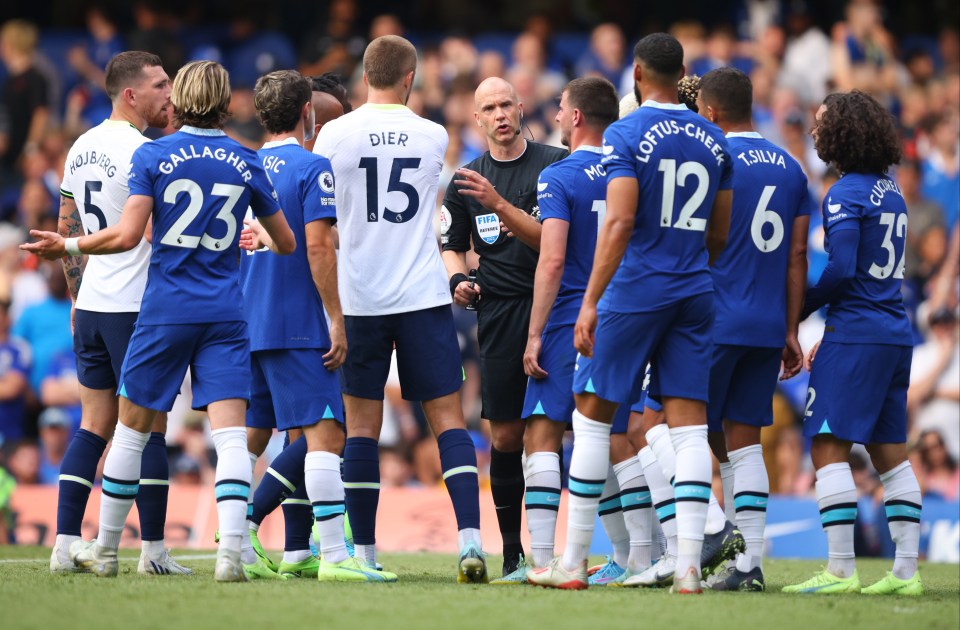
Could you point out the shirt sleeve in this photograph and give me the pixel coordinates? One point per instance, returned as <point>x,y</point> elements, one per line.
<point>841,267</point>
<point>617,159</point>
<point>456,237</point>
<point>838,210</point>
<point>139,177</point>
<point>552,196</point>
<point>66,184</point>
<point>263,198</point>
<point>319,200</point>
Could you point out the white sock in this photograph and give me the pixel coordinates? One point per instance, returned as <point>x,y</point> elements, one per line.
<point>901,498</point>
<point>716,517</point>
<point>232,487</point>
<point>121,481</point>
<point>542,500</point>
<point>610,511</point>
<point>247,554</point>
<point>588,468</point>
<point>658,439</point>
<point>468,536</point>
<point>152,548</point>
<point>325,489</point>
<point>692,493</point>
<point>726,476</point>
<point>298,555</point>
<point>661,494</point>
<point>637,507</point>
<point>837,499</point>
<point>750,492</point>
<point>367,553</point>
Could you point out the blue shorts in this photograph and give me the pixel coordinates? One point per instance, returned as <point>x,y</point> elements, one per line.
<point>621,420</point>
<point>858,393</point>
<point>553,396</point>
<point>100,342</point>
<point>291,388</point>
<point>158,356</point>
<point>742,382</point>
<point>673,340</point>
<point>428,354</point>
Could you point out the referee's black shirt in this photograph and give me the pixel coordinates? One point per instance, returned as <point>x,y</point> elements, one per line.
<point>507,266</point>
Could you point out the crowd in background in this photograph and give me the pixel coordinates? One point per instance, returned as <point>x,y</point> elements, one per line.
<point>51,90</point>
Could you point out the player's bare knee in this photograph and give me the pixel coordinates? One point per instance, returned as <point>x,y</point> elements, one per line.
<point>620,448</point>
<point>326,435</point>
<point>595,408</point>
<point>257,440</point>
<point>542,435</point>
<point>826,450</point>
<point>886,457</point>
<point>160,423</point>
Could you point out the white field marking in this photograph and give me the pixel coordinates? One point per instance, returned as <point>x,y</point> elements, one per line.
<point>197,556</point>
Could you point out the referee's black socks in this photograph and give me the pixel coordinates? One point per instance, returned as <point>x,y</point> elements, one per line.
<point>507,486</point>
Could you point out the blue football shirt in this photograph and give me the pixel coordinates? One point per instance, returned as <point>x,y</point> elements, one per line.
<point>870,307</point>
<point>680,161</point>
<point>750,276</point>
<point>201,182</point>
<point>282,303</point>
<point>574,190</point>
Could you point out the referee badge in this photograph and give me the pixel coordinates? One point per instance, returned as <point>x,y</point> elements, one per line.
<point>488,228</point>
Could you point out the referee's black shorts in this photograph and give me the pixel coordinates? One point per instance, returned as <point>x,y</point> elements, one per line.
<point>502,325</point>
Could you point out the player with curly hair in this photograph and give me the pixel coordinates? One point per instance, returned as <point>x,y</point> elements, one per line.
<point>859,378</point>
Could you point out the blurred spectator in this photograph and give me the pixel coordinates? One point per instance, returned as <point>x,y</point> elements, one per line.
<point>607,56</point>
<point>243,125</point>
<point>60,388</point>
<point>927,235</point>
<point>55,431</point>
<point>24,462</point>
<point>193,464</point>
<point>938,467</point>
<point>90,61</point>
<point>14,369</point>
<point>862,52</point>
<point>25,94</point>
<point>155,31</point>
<point>46,326</point>
<point>806,60</point>
<point>721,51</point>
<point>336,45</point>
<point>941,168</point>
<point>933,399</point>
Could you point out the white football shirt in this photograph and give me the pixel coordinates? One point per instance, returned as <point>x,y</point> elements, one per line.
<point>95,177</point>
<point>387,162</point>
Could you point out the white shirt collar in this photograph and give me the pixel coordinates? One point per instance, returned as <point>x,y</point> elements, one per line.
<point>512,159</point>
<point>744,134</point>
<point>658,105</point>
<point>587,147</point>
<point>280,143</point>
<point>197,131</point>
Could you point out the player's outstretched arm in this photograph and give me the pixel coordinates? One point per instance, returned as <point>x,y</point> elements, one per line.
<point>70,225</point>
<point>622,195</point>
<point>841,267</point>
<point>120,237</point>
<point>322,256</point>
<point>546,285</point>
<point>718,228</point>
<point>284,242</point>
<point>796,287</point>
<point>522,225</point>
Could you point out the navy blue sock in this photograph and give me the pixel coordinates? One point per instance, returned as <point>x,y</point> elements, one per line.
<point>283,477</point>
<point>458,459</point>
<point>361,484</point>
<point>154,488</point>
<point>77,471</point>
<point>297,520</point>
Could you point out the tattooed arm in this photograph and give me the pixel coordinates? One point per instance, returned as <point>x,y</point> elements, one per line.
<point>68,226</point>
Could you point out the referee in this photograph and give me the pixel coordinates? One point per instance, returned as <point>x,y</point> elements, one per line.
<point>497,193</point>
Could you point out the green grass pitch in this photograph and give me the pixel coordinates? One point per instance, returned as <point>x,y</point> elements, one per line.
<point>428,597</point>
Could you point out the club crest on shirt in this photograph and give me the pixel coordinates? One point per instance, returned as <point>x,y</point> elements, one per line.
<point>488,227</point>
<point>325,180</point>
